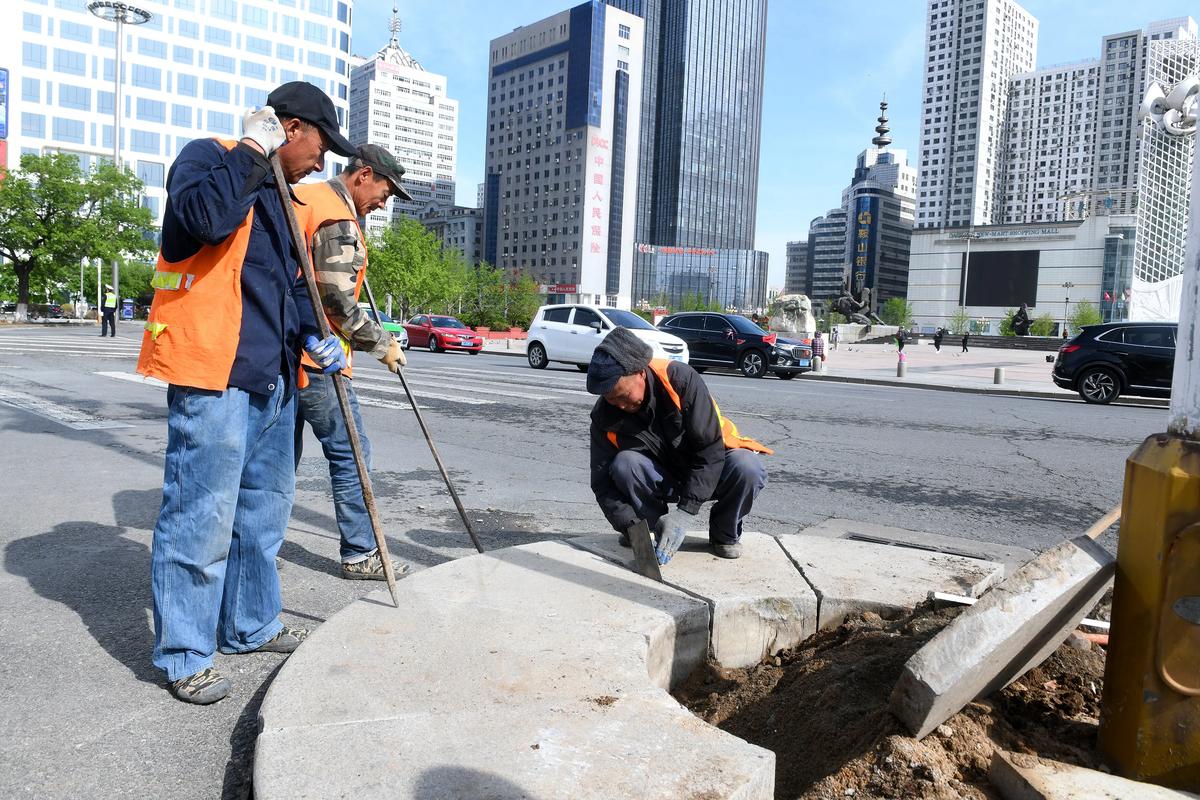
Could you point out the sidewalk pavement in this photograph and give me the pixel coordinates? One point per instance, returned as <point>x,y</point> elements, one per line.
<point>1026,372</point>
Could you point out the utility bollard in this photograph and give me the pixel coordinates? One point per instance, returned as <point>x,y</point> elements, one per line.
<point>998,376</point>
<point>818,364</point>
<point>901,369</point>
<point>1150,712</point>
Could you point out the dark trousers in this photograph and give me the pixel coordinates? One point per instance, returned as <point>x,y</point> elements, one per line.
<point>108,322</point>
<point>648,490</point>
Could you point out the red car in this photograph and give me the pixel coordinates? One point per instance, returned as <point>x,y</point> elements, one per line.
<point>442,333</point>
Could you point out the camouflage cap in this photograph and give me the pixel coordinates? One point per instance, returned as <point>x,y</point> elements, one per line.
<point>385,165</point>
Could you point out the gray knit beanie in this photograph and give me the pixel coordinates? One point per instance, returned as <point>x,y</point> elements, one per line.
<point>621,353</point>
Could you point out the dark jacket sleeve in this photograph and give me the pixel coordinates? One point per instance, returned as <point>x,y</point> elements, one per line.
<point>701,437</point>
<point>212,189</point>
<point>616,510</point>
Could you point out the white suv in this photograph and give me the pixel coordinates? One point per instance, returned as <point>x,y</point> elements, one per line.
<point>569,333</point>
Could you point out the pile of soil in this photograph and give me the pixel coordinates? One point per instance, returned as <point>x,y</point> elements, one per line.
<point>822,708</point>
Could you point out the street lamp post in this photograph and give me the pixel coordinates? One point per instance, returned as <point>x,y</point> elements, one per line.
<point>1067,302</point>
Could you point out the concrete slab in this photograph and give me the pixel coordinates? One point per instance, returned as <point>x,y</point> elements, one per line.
<point>760,603</point>
<point>1012,629</point>
<point>849,577</point>
<point>1024,777</point>
<point>857,530</point>
<point>535,671</point>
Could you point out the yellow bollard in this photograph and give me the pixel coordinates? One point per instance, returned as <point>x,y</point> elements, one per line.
<point>1150,718</point>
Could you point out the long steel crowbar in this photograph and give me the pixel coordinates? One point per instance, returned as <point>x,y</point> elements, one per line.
<point>412,401</point>
<point>310,280</point>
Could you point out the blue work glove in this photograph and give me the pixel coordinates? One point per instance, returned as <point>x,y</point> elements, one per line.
<point>670,536</point>
<point>326,352</point>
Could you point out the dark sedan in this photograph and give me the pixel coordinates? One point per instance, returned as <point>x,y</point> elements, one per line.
<point>1106,361</point>
<point>730,340</point>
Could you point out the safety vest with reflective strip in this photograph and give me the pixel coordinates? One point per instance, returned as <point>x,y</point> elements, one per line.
<point>322,205</point>
<point>729,432</point>
<point>195,321</point>
<point>110,300</point>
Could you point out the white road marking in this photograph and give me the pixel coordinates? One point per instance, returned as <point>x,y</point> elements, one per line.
<point>133,377</point>
<point>368,385</point>
<point>489,379</point>
<point>64,415</point>
<point>439,385</point>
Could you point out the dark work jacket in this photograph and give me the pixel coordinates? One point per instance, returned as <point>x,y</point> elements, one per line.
<point>686,443</point>
<point>209,192</point>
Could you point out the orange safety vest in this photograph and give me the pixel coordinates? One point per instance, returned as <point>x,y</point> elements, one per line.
<point>322,205</point>
<point>729,432</point>
<point>195,320</point>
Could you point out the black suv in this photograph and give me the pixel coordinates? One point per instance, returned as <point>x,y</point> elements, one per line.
<point>1106,361</point>
<point>729,340</point>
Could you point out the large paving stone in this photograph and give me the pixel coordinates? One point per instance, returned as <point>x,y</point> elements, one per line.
<point>1012,629</point>
<point>1024,777</point>
<point>850,577</point>
<point>535,671</point>
<point>760,603</point>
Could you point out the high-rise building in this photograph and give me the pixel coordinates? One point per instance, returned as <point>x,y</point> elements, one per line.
<point>397,104</point>
<point>828,256</point>
<point>699,150</point>
<point>457,228</point>
<point>189,73</point>
<point>795,279</point>
<point>972,48</point>
<point>561,163</point>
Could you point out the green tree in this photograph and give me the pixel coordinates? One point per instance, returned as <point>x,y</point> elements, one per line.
<point>833,318</point>
<point>960,321</point>
<point>1006,323</point>
<point>52,214</point>
<point>897,311</point>
<point>408,262</point>
<point>1084,313</point>
<point>1042,326</point>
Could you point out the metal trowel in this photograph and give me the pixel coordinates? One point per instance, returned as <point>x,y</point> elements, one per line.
<point>644,557</point>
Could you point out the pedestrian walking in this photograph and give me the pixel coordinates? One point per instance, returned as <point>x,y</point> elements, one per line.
<point>965,339</point>
<point>937,339</point>
<point>834,336</point>
<point>329,212</point>
<point>229,318</point>
<point>108,312</point>
<point>818,346</point>
<point>900,340</point>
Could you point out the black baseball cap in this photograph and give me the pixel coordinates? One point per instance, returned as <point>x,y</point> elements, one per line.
<point>303,100</point>
<point>385,165</point>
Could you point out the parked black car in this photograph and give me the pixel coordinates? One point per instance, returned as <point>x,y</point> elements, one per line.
<point>1106,361</point>
<point>730,340</point>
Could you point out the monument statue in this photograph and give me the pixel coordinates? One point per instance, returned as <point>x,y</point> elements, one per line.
<point>792,313</point>
<point>855,309</point>
<point>1021,321</point>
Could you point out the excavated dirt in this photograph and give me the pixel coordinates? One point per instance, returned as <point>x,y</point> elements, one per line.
<point>822,708</point>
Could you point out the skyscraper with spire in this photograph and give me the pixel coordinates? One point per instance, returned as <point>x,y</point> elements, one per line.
<point>865,241</point>
<point>396,103</point>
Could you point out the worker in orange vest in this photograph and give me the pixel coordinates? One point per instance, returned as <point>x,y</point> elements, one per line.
<point>229,319</point>
<point>658,437</point>
<point>329,212</point>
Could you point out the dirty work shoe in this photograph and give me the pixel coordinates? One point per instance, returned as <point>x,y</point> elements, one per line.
<point>371,569</point>
<point>285,641</point>
<point>733,550</point>
<point>206,686</point>
<point>624,540</point>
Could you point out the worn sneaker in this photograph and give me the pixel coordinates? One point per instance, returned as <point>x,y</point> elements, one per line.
<point>371,569</point>
<point>286,641</point>
<point>733,550</point>
<point>206,686</point>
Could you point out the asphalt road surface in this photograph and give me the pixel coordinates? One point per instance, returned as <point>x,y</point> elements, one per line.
<point>81,447</point>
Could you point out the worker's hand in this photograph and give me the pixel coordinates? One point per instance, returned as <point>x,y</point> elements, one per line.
<point>261,126</point>
<point>670,530</point>
<point>327,353</point>
<point>394,358</point>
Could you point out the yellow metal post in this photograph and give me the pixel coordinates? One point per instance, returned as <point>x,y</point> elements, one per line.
<point>1150,714</point>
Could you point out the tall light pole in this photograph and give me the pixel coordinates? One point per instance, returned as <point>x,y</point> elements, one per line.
<point>123,14</point>
<point>967,267</point>
<point>1067,303</point>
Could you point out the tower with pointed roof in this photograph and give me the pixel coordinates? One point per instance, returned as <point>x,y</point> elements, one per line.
<point>398,104</point>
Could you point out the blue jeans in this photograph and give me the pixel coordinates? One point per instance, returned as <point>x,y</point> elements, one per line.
<point>227,497</point>
<point>318,406</point>
<point>649,489</point>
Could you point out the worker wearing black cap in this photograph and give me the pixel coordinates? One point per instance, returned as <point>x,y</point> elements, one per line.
<point>229,319</point>
<point>329,214</point>
<point>657,437</point>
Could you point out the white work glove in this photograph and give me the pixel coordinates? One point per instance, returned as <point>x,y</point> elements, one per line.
<point>671,532</point>
<point>327,353</point>
<point>394,358</point>
<point>261,126</point>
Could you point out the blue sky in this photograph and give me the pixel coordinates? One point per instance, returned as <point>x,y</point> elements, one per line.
<point>827,65</point>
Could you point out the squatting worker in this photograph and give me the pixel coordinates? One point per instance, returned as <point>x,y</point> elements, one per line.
<point>657,437</point>
<point>329,213</point>
<point>229,318</point>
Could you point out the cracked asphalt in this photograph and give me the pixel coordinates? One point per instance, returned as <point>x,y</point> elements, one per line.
<point>86,713</point>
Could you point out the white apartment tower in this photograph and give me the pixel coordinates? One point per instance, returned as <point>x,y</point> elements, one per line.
<point>562,152</point>
<point>396,104</point>
<point>189,73</point>
<point>973,48</point>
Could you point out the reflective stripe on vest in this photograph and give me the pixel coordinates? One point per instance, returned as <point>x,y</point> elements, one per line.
<point>191,337</point>
<point>322,205</point>
<point>729,432</point>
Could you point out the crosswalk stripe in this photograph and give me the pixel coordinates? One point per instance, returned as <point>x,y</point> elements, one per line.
<point>66,353</point>
<point>368,385</point>
<point>133,377</point>
<point>441,384</point>
<point>440,379</point>
<point>64,415</point>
